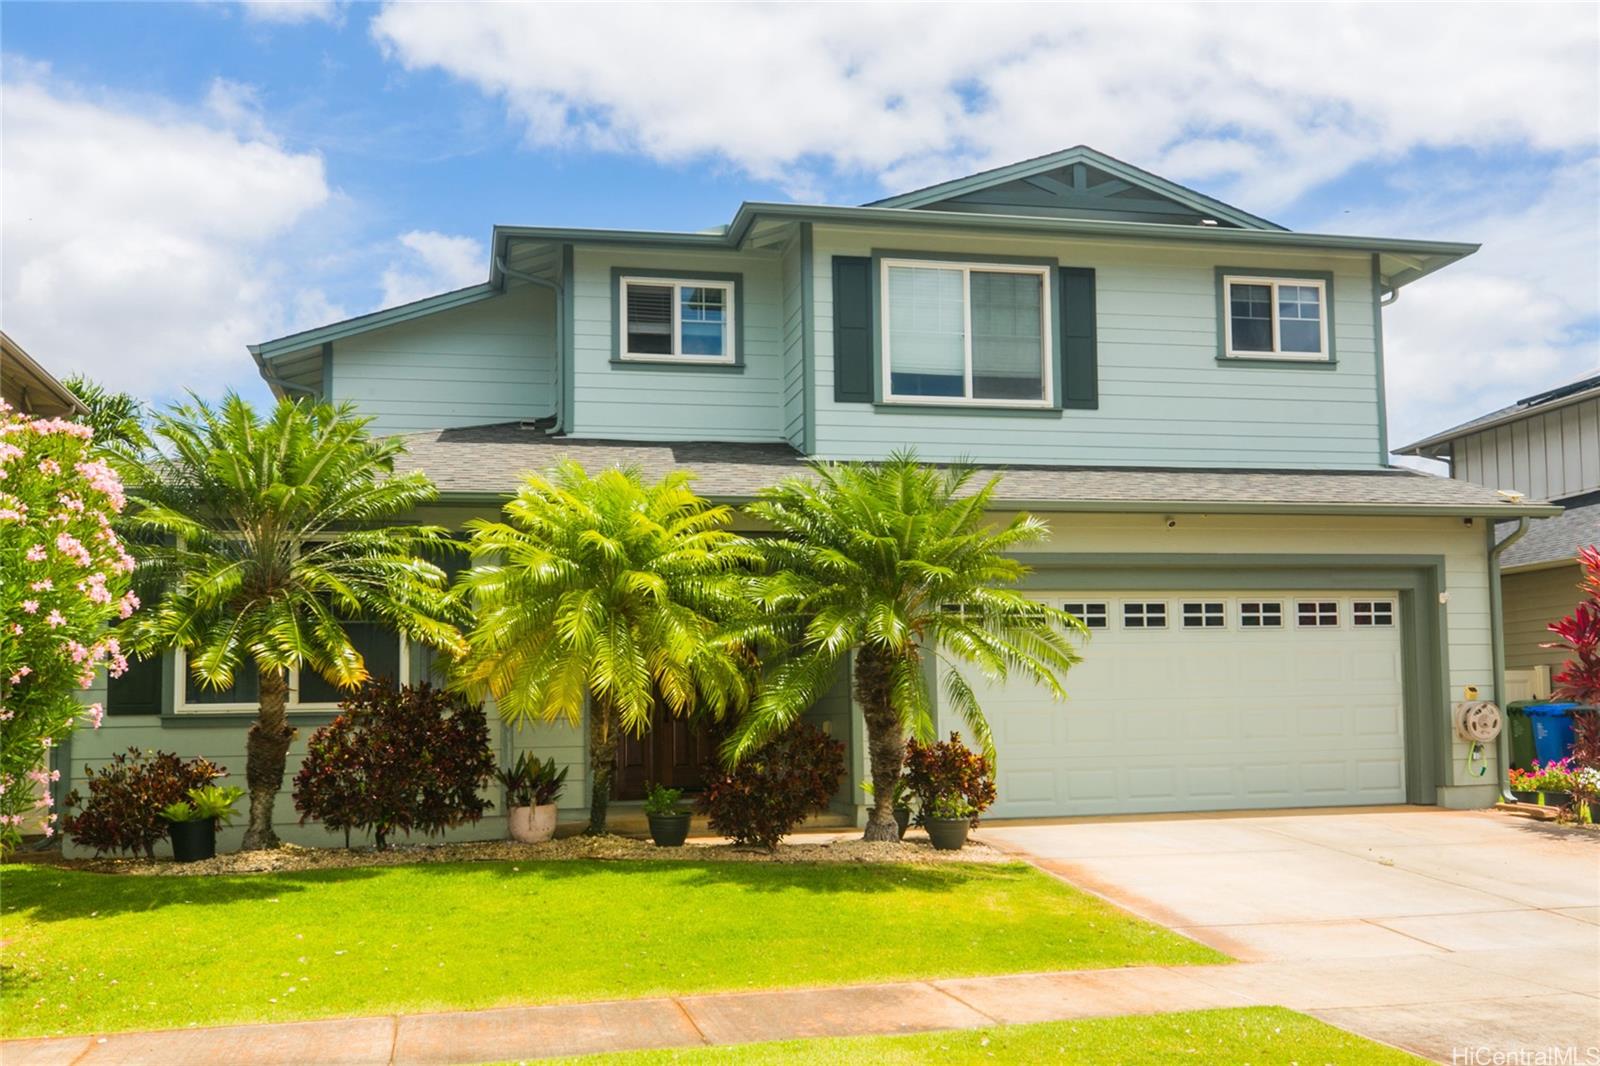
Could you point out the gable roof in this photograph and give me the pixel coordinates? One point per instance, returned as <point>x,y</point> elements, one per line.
<point>1557,540</point>
<point>1077,182</point>
<point>31,388</point>
<point>1440,443</point>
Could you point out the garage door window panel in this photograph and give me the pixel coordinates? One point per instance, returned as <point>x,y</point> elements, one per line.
<point>1144,615</point>
<point>1205,614</point>
<point>1092,615</point>
<point>1260,614</point>
<point>1317,614</point>
<point>1372,613</point>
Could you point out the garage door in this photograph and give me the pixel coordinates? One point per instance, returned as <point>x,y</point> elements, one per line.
<point>1198,701</point>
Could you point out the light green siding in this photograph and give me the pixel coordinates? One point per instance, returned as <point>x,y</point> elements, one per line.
<point>1531,601</point>
<point>489,361</point>
<point>651,401</point>
<point>1164,398</point>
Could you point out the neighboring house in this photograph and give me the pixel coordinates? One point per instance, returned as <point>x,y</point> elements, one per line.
<point>1546,447</point>
<point>1192,396</point>
<point>29,387</point>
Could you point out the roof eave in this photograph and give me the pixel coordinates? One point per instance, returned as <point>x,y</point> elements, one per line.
<point>1429,447</point>
<point>1191,507</point>
<point>388,316</point>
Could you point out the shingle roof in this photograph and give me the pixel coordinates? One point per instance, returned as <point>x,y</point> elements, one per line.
<point>1555,539</point>
<point>1570,392</point>
<point>482,460</point>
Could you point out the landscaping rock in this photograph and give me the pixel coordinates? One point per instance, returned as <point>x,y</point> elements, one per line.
<point>290,857</point>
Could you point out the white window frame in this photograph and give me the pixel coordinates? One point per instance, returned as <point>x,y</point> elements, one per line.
<point>1203,619</point>
<point>1338,614</point>
<point>1144,615</point>
<point>1261,615</point>
<point>1103,616</point>
<point>730,334</point>
<point>1375,608</point>
<point>292,703</point>
<point>1046,334</point>
<point>1321,285</point>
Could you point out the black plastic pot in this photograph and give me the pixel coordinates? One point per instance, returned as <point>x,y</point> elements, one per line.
<point>902,818</point>
<point>193,841</point>
<point>669,830</point>
<point>947,834</point>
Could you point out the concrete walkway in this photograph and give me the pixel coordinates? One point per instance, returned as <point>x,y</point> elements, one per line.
<point>739,1018</point>
<point>1436,931</point>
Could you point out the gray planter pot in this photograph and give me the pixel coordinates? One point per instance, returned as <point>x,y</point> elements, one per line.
<point>669,830</point>
<point>947,834</point>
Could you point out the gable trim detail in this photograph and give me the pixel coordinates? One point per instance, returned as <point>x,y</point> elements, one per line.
<point>1079,155</point>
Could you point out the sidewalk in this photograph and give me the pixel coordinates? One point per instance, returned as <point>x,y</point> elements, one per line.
<point>748,1017</point>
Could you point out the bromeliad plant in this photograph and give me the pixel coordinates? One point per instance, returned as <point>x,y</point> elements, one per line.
<point>530,783</point>
<point>611,592</point>
<point>270,535</point>
<point>891,565</point>
<point>63,581</point>
<point>214,803</point>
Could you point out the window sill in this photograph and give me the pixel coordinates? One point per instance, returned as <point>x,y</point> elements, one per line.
<point>1280,361</point>
<point>667,361</point>
<point>977,407</point>
<point>203,719</point>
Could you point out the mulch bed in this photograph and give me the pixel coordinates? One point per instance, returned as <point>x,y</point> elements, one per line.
<point>291,858</point>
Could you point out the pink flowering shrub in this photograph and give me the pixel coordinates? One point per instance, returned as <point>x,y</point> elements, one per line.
<point>63,583</point>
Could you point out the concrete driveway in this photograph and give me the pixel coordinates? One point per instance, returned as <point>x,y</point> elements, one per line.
<point>1441,932</point>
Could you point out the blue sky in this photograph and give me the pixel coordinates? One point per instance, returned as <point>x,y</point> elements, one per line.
<point>184,179</point>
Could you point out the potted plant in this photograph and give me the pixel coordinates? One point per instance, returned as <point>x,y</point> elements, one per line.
<point>192,823</point>
<point>669,822</point>
<point>902,803</point>
<point>948,820</point>
<point>951,783</point>
<point>532,789</point>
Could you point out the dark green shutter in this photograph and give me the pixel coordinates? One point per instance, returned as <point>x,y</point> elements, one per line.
<point>1080,385</point>
<point>852,329</point>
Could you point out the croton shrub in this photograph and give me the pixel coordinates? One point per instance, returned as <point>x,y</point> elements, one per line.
<point>127,796</point>
<point>1579,680</point>
<point>406,760</point>
<point>774,788</point>
<point>948,775</point>
<point>63,582</point>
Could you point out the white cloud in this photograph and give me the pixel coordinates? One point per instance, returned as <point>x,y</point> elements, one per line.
<point>1264,103</point>
<point>437,262</point>
<point>139,238</point>
<point>290,12</point>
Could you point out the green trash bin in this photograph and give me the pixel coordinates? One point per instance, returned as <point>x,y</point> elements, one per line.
<point>1519,732</point>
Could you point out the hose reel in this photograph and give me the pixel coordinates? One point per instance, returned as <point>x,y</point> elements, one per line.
<point>1478,722</point>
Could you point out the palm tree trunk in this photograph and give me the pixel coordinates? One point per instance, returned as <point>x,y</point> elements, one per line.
<point>886,741</point>
<point>266,757</point>
<point>603,730</point>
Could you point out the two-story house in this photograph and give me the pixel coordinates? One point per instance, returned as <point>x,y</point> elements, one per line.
<point>1191,395</point>
<point>1547,447</point>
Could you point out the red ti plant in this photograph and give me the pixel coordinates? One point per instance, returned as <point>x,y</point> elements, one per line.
<point>1579,679</point>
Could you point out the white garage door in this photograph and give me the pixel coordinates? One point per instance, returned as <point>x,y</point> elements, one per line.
<point>1200,701</point>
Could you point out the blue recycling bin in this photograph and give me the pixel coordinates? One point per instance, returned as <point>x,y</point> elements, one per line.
<point>1552,730</point>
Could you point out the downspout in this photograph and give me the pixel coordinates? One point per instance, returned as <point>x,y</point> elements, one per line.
<point>1498,643</point>
<point>546,283</point>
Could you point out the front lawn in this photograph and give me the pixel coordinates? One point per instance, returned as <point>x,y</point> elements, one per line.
<point>1267,1036</point>
<point>96,952</point>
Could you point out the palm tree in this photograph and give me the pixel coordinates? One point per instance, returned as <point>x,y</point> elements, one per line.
<point>266,537</point>
<point>117,418</point>
<point>607,591</point>
<point>896,562</point>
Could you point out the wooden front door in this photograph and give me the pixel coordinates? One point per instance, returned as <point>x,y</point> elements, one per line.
<point>670,753</point>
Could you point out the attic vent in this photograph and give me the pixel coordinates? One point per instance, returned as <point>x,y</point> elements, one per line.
<point>1209,222</point>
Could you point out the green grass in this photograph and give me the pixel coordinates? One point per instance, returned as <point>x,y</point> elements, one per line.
<point>1256,1035</point>
<point>97,952</point>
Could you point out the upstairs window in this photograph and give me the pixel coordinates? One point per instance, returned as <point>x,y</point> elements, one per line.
<point>677,321</point>
<point>966,333</point>
<point>1275,318</point>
